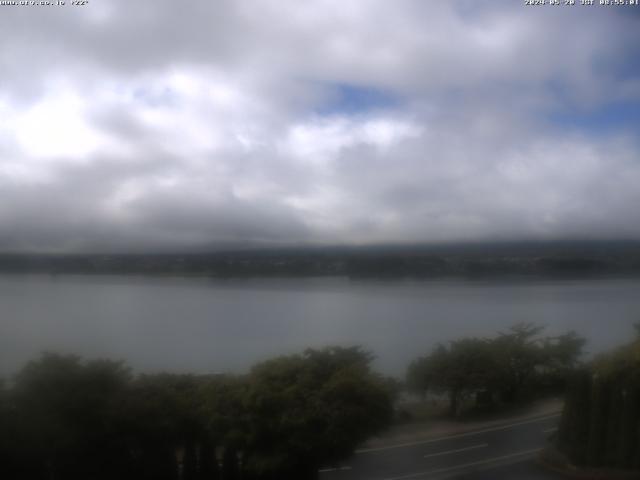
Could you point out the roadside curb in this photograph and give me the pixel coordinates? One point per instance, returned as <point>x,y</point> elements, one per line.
<point>553,460</point>
<point>458,431</point>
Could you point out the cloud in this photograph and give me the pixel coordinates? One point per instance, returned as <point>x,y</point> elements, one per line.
<point>162,126</point>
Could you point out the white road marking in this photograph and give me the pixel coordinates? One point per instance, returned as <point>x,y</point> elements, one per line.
<point>467,465</point>
<point>449,452</point>
<point>325,470</point>
<point>549,430</point>
<point>457,435</point>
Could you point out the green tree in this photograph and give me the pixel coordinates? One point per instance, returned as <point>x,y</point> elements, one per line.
<point>519,354</point>
<point>64,410</point>
<point>529,362</point>
<point>561,357</point>
<point>462,368</point>
<point>66,418</point>
<point>313,409</point>
<point>163,424</point>
<point>515,363</point>
<point>226,421</point>
<point>599,424</point>
<point>8,434</point>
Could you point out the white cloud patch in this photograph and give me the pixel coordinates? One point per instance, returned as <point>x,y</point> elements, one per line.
<point>323,140</point>
<point>162,126</point>
<point>56,127</point>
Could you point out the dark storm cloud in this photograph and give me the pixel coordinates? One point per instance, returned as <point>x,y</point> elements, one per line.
<point>164,126</point>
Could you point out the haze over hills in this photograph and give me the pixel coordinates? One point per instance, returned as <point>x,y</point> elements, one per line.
<point>384,261</point>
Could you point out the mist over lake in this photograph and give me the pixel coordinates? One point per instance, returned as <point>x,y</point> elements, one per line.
<point>208,326</point>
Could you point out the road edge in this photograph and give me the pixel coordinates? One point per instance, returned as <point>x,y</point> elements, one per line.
<point>498,425</point>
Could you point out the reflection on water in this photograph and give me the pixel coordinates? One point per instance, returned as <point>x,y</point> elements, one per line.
<point>213,326</point>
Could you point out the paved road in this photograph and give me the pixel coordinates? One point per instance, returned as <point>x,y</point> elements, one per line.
<point>500,452</point>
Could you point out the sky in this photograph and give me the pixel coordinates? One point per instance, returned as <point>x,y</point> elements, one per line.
<point>161,125</point>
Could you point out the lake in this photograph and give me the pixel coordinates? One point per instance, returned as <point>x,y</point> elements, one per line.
<point>211,326</point>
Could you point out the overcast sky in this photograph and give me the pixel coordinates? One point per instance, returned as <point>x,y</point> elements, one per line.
<point>128,125</point>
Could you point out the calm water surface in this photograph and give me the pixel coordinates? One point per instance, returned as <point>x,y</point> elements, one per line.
<point>203,326</point>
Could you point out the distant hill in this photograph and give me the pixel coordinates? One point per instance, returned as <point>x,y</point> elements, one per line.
<point>386,261</point>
